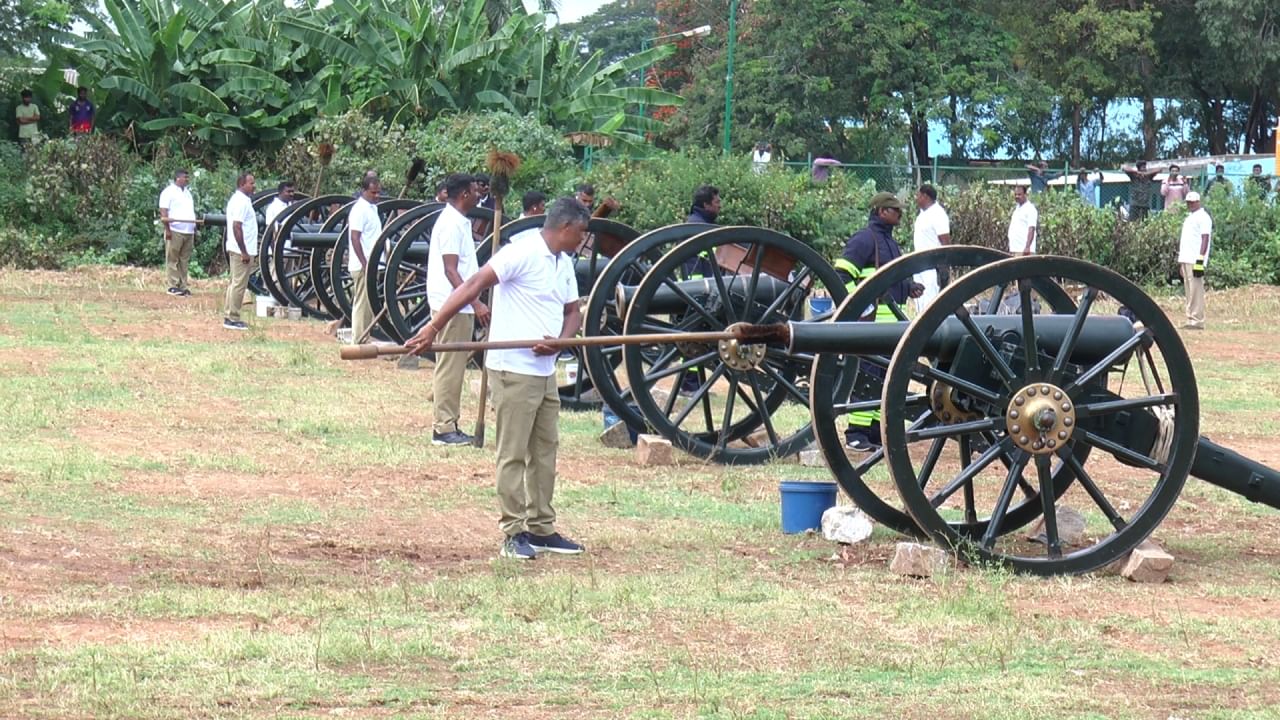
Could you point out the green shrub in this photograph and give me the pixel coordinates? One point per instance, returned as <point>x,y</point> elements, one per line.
<point>658,191</point>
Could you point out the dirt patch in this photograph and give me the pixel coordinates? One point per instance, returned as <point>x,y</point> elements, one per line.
<point>18,632</point>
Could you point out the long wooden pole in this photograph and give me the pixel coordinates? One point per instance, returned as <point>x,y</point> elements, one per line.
<point>741,332</point>
<point>477,437</point>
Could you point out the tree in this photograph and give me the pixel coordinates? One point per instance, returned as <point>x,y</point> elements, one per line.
<point>616,30</point>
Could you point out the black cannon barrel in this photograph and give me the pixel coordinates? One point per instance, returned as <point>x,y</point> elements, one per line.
<point>1100,335</point>
<point>215,220</point>
<point>1236,473</point>
<point>667,300</point>
<point>314,240</point>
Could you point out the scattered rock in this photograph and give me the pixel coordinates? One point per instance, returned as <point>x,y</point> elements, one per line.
<point>1148,563</point>
<point>758,439</point>
<point>408,362</point>
<point>812,458</point>
<point>916,560</point>
<point>618,436</point>
<point>845,524</point>
<point>654,450</point>
<point>1070,528</point>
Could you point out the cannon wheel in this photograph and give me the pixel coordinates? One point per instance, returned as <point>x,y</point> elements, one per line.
<point>832,377</point>
<point>1082,402</point>
<point>291,266</point>
<point>329,268</point>
<point>601,316</point>
<point>404,282</point>
<point>751,275</point>
<point>266,284</point>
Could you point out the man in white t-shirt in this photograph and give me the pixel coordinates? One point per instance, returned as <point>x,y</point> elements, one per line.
<point>533,203</point>
<point>932,229</point>
<point>1193,255</point>
<point>535,297</point>
<point>178,216</point>
<point>282,200</point>
<point>451,261</point>
<point>364,225</point>
<point>242,248</point>
<point>1022,226</point>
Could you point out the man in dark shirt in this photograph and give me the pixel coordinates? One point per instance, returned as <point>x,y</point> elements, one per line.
<point>82,112</point>
<point>1140,189</point>
<point>1219,178</point>
<point>1259,184</point>
<point>868,249</point>
<point>1040,176</point>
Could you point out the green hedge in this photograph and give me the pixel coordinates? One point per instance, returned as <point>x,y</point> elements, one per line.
<point>94,200</point>
<point>659,191</point>
<point>1246,234</point>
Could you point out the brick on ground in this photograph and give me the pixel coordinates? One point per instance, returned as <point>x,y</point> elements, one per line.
<point>917,560</point>
<point>654,450</point>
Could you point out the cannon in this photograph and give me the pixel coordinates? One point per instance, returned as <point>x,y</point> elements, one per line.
<point>1018,388</point>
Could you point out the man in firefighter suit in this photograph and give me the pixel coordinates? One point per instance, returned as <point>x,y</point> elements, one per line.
<point>868,249</point>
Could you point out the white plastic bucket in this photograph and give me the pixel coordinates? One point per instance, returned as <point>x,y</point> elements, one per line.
<point>263,303</point>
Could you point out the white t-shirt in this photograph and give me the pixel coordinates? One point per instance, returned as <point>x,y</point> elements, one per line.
<point>364,218</point>
<point>759,159</point>
<point>930,225</point>
<point>1194,227</point>
<point>451,235</point>
<point>274,208</point>
<point>534,285</point>
<point>1024,217</point>
<point>240,207</point>
<point>177,201</point>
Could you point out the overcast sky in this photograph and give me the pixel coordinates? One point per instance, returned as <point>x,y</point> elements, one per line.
<point>573,10</point>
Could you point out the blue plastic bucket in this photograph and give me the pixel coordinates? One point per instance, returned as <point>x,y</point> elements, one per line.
<point>820,305</point>
<point>803,504</point>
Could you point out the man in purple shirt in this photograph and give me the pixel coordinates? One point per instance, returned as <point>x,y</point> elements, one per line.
<point>82,112</point>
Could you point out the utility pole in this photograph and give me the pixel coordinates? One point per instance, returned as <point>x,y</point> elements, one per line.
<point>728,76</point>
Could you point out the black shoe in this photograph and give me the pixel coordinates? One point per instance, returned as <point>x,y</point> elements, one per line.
<point>174,291</point>
<point>456,437</point>
<point>184,292</point>
<point>234,325</point>
<point>555,543</point>
<point>858,441</point>
<point>517,547</point>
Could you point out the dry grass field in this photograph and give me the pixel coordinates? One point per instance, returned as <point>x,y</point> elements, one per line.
<point>196,523</point>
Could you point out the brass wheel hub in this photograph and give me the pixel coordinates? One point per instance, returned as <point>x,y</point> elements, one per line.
<point>1040,418</point>
<point>943,403</point>
<point>740,356</point>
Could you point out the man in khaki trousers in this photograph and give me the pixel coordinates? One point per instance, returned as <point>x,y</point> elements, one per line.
<point>242,249</point>
<point>535,297</point>
<point>177,213</point>
<point>1193,255</point>
<point>451,261</point>
<point>364,225</point>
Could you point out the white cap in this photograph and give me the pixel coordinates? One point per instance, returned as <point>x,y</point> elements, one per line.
<point>1193,197</point>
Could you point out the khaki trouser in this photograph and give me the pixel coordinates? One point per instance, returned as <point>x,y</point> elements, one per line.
<point>1194,287</point>
<point>361,309</point>
<point>528,410</point>
<point>451,368</point>
<point>240,271</point>
<point>177,256</point>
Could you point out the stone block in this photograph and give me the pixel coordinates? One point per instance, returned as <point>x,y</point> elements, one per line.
<point>654,450</point>
<point>812,458</point>
<point>916,560</point>
<point>845,524</point>
<point>1147,563</point>
<point>758,439</point>
<point>1070,527</point>
<point>617,436</point>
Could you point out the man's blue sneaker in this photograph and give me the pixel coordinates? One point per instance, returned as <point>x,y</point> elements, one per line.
<point>517,547</point>
<point>555,543</point>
